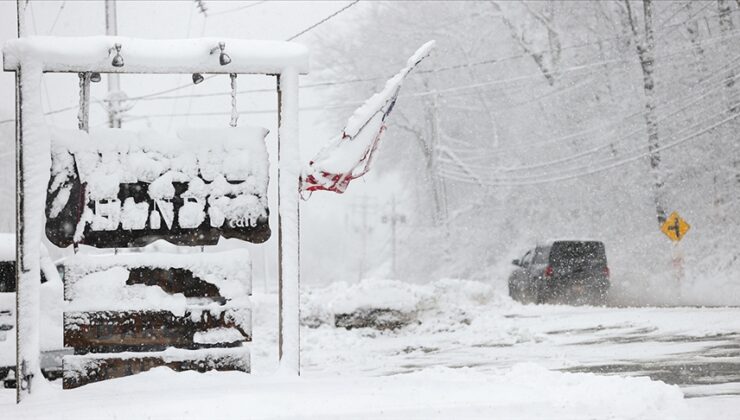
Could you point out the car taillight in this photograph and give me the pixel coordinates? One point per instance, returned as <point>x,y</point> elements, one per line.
<point>606,271</point>
<point>548,271</point>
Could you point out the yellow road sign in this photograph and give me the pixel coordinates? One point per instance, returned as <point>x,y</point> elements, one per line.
<point>675,227</point>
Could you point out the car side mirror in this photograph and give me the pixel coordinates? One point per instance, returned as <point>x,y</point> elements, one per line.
<point>516,262</point>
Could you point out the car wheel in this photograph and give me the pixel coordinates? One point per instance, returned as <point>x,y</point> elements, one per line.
<point>513,292</point>
<point>599,297</point>
<point>539,295</point>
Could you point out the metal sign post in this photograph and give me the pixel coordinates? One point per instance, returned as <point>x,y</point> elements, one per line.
<point>675,228</point>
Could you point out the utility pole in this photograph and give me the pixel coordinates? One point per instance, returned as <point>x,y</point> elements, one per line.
<point>393,218</point>
<point>114,80</point>
<point>363,204</point>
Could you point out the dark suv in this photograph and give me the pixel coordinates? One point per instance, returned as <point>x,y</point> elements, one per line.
<point>565,271</point>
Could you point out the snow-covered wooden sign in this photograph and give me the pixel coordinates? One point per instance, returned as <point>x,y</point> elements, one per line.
<point>349,155</point>
<point>118,188</point>
<point>147,195</point>
<point>129,313</point>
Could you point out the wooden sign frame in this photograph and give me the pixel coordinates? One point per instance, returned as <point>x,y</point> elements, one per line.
<point>284,60</point>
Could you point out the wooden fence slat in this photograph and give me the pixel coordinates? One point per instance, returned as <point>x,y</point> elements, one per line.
<point>112,331</point>
<point>84,369</point>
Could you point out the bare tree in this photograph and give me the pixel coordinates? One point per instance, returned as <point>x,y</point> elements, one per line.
<point>692,30</point>
<point>526,40</point>
<point>645,46</point>
<point>726,27</point>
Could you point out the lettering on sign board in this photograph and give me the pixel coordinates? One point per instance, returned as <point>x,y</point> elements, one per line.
<point>125,189</point>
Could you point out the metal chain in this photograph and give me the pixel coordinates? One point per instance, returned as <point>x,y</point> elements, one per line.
<point>234,113</point>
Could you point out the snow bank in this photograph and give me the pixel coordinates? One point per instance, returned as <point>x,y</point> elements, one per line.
<point>79,54</point>
<point>444,301</point>
<point>524,391</point>
<point>370,293</point>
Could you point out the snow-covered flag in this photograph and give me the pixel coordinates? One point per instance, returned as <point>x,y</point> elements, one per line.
<point>349,155</point>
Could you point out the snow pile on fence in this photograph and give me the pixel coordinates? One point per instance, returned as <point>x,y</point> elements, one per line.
<point>209,359</point>
<point>100,282</point>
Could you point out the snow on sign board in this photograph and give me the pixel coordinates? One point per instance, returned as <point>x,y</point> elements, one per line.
<point>163,56</point>
<point>129,313</point>
<point>119,188</point>
<point>349,155</point>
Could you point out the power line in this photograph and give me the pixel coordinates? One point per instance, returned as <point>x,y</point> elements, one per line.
<point>355,104</point>
<point>580,155</point>
<point>162,92</point>
<point>255,111</point>
<point>602,147</point>
<point>179,94</point>
<point>411,95</point>
<point>153,95</point>
<point>521,181</point>
<point>379,78</point>
<point>719,73</point>
<point>693,15</point>
<point>676,12</point>
<point>56,19</point>
<point>450,90</point>
<point>236,9</point>
<point>323,20</point>
<point>705,42</point>
<point>423,71</point>
<point>616,164</point>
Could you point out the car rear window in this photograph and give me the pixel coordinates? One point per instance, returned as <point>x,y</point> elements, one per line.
<point>540,254</point>
<point>572,253</point>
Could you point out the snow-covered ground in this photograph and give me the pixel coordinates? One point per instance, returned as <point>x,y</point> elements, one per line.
<point>468,352</point>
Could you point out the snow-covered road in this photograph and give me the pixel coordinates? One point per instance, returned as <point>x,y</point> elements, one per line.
<point>470,325</point>
<point>469,352</point>
<point>695,348</point>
